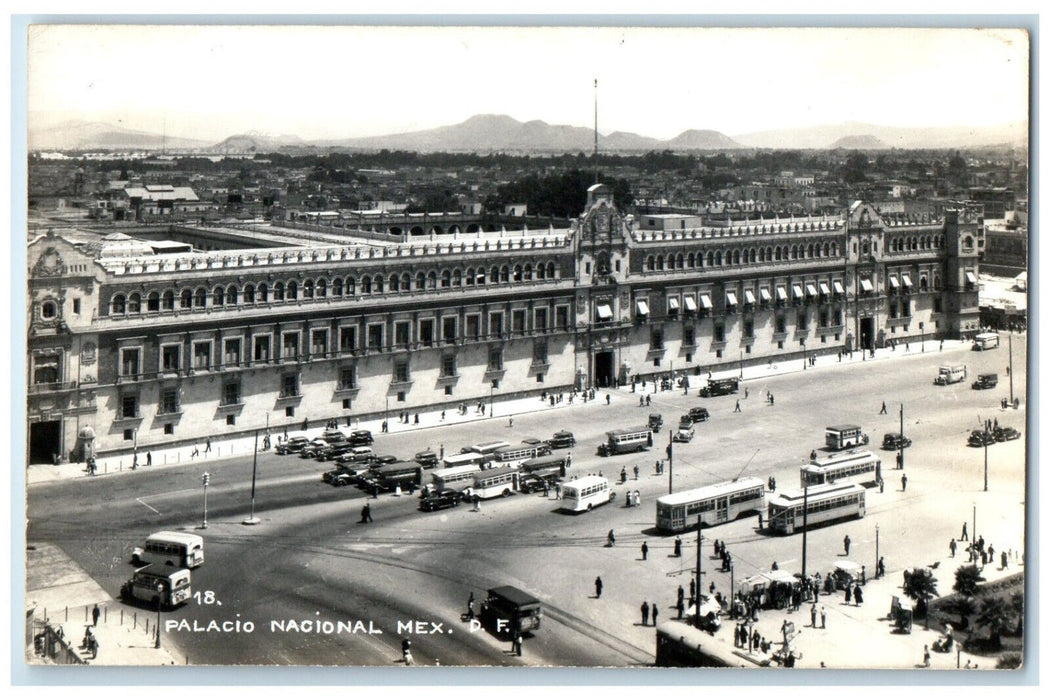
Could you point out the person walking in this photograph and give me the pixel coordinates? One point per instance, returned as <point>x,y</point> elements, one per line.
<point>737,409</point>
<point>610,539</point>
<point>904,482</point>
<point>678,546</point>
<point>952,547</point>
<point>645,551</point>
<point>655,612</point>
<point>477,503</point>
<point>149,458</point>
<point>636,472</point>
<point>845,544</point>
<point>883,411</point>
<point>858,595</point>
<point>849,594</point>
<point>823,618</point>
<point>95,614</point>
<point>645,614</point>
<point>366,514</point>
<point>207,446</point>
<point>598,587</point>
<point>965,537</point>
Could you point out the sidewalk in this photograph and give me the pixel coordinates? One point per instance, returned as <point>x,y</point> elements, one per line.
<point>62,594</point>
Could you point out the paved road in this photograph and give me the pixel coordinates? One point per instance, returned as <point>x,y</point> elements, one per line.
<point>309,560</point>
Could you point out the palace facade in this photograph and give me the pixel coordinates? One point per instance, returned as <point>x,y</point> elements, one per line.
<point>133,345</point>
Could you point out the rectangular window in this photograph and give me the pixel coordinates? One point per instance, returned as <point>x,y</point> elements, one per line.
<point>426,332</point>
<point>720,333</point>
<point>289,411</point>
<point>401,371</point>
<point>129,406</point>
<point>76,306</point>
<point>232,351</point>
<point>402,333</point>
<point>169,401</point>
<point>448,366</point>
<point>541,320</point>
<point>231,419</point>
<point>448,330</point>
<point>319,342</point>
<point>346,404</point>
<point>539,353</point>
<point>749,329</point>
<point>517,320</point>
<point>781,324</point>
<point>290,346</point>
<point>169,428</point>
<point>496,324</point>
<point>802,320</point>
<point>689,337</point>
<point>937,305</point>
<point>561,317</point>
<point>169,358</point>
<point>262,348</point>
<point>129,434</point>
<point>495,359</point>
<point>348,378</point>
<point>201,355</point>
<point>473,327</point>
<point>656,338</point>
<point>231,394</point>
<point>348,338</point>
<point>448,390</point>
<point>375,336</point>
<point>289,386</point>
<point>129,362</point>
<point>401,396</point>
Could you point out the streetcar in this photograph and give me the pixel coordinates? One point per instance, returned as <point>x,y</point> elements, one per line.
<point>710,505</point>
<point>853,467</point>
<point>680,644</point>
<point>627,440</point>
<point>823,504</point>
<point>585,493</point>
<point>840,437</point>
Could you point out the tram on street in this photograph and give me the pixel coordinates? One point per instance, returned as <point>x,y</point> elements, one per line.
<point>488,448</point>
<point>552,464</point>
<point>489,483</point>
<point>403,474</point>
<point>585,493</point>
<point>853,467</point>
<point>457,478</point>
<point>822,504</point>
<point>681,645</point>
<point>626,440</point>
<point>710,505</point>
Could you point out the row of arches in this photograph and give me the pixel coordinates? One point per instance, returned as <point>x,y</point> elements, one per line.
<point>742,256</point>
<point>322,288</point>
<point>901,244</point>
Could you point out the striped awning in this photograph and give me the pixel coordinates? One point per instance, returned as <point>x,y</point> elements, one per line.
<point>906,280</point>
<point>811,290</point>
<point>781,294</point>
<point>824,288</point>
<point>672,303</point>
<point>838,287</point>
<point>797,291</point>
<point>893,282</point>
<point>764,293</point>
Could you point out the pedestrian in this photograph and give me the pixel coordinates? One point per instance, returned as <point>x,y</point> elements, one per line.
<point>926,655</point>
<point>207,446</point>
<point>813,615</point>
<point>849,594</point>
<point>95,614</point>
<point>645,614</point>
<point>306,424</point>
<point>737,409</point>
<point>681,593</point>
<point>517,643</point>
<point>477,503</point>
<point>823,618</point>
<point>904,482</point>
<point>845,544</point>
<point>610,539</point>
<point>858,595</point>
<point>952,547</point>
<point>470,606</point>
<point>655,612</point>
<point>882,485</point>
<point>747,392</point>
<point>1002,560</point>
<point>598,587</point>
<point>678,546</point>
<point>608,399</point>
<point>863,575</point>
<point>442,414</point>
<point>965,537</point>
<point>771,399</point>
<point>366,514</point>
<point>645,551</point>
<point>149,458</point>
<point>417,420</point>
<point>883,411</point>
<point>636,472</point>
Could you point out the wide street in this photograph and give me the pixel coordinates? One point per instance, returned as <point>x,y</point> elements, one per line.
<point>309,558</point>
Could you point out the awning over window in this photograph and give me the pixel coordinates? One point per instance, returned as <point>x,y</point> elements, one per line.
<point>705,301</point>
<point>764,293</point>
<point>824,288</point>
<point>781,294</point>
<point>837,286</point>
<point>672,303</point>
<point>893,282</point>
<point>866,285</point>
<point>604,312</point>
<point>811,290</point>
<point>971,278</point>
<point>797,291</point>
<point>643,308</point>
<point>749,296</point>
<point>690,303</point>
<point>906,280</point>
<point>730,299</point>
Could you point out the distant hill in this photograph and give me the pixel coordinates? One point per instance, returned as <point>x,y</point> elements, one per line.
<point>828,136</point>
<point>255,142</point>
<point>860,143</point>
<point>695,139</point>
<point>84,136</point>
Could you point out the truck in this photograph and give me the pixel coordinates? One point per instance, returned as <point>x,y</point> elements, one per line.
<point>950,374</point>
<point>510,611</point>
<point>720,387</point>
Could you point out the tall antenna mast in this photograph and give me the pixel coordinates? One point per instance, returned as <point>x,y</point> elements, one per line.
<point>596,131</point>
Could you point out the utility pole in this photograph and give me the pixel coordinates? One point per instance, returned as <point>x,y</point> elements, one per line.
<point>805,526</point>
<point>670,461</point>
<point>901,451</point>
<point>1011,339</point>
<point>699,588</point>
<point>251,519</point>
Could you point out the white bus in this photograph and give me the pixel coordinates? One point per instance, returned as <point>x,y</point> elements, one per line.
<point>839,437</point>
<point>490,483</point>
<point>711,505</point>
<point>986,341</point>
<point>171,548</point>
<point>627,440</point>
<point>464,458</point>
<point>823,503</point>
<point>457,478</point>
<point>585,493</point>
<point>514,456</point>
<point>488,448</point>
<point>158,583</point>
<point>853,467</point>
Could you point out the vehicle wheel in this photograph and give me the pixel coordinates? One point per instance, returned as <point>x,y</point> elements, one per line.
<point>590,506</point>
<point>506,492</point>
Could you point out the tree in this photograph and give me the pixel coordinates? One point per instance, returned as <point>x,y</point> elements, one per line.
<point>966,580</point>
<point>997,616</point>
<point>920,586</point>
<point>855,169</point>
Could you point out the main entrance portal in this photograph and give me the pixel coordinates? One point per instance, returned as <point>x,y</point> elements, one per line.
<point>604,368</point>
<point>44,441</point>
<point>867,333</point>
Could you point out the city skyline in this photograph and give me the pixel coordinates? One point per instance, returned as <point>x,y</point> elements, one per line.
<point>211,82</point>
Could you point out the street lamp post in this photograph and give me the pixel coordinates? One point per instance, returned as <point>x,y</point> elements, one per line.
<point>160,595</point>
<point>492,410</point>
<point>901,450</point>
<point>699,588</point>
<point>876,550</point>
<point>251,519</point>
<point>205,479</point>
<point>670,461</point>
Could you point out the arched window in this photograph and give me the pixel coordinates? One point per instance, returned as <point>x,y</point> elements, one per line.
<point>264,293</point>
<point>710,258</point>
<point>650,263</point>
<point>432,280</point>
<point>541,271</point>
<point>134,303</point>
<point>660,262</point>
<point>809,251</point>
<point>337,287</point>
<point>779,253</point>
<point>457,278</point>
<point>249,294</point>
<point>421,280</point>
<point>278,291</point>
<point>446,279</point>
<point>218,296</point>
<point>322,288</point>
<point>718,258</point>
<point>527,272</point>
<point>200,298</point>
<point>153,301</point>
<point>504,274</point>
<point>834,249</point>
<point>231,294</point>
<point>924,284</point>
<point>167,300</point>
<point>736,257</point>
<point>470,276</point>
<point>351,286</point>
<point>551,271</point>
<point>406,282</point>
<point>118,305</point>
<point>395,282</point>
<point>378,284</point>
<point>517,273</point>
<point>692,260</point>
<point>679,261</point>
<point>292,292</point>
<point>308,289</point>
<point>366,285</point>
<point>185,299</point>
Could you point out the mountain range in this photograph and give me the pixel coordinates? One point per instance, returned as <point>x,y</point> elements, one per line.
<point>498,132</point>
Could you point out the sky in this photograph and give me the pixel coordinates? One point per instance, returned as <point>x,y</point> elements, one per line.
<point>345,81</point>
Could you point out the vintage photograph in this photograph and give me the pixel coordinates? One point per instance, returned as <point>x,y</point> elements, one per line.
<point>526,346</point>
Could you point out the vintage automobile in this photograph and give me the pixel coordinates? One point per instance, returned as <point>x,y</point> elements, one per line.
<point>895,441</point>
<point>698,414</point>
<point>426,459</point>
<point>448,498</point>
<point>562,438</point>
<point>720,387</point>
<point>313,448</point>
<point>684,433</point>
<point>531,483</point>
<point>1003,433</point>
<point>980,438</point>
<point>292,444</point>
<point>361,437</point>
<point>986,381</point>
<point>656,422</point>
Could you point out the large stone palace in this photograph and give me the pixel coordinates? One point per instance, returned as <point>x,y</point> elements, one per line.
<point>134,342</point>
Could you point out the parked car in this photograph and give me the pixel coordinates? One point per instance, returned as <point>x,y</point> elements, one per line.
<point>426,459</point>
<point>385,459</point>
<point>561,439</point>
<point>698,414</point>
<point>656,422</point>
<point>895,441</point>
<point>448,498</point>
<point>312,449</point>
<point>1003,433</point>
<point>529,483</point>
<point>333,452</point>
<point>980,438</point>
<point>361,437</point>
<point>292,444</point>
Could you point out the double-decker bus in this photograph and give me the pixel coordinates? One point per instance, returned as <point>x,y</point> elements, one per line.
<point>172,548</point>
<point>710,505</point>
<point>457,478</point>
<point>626,440</point>
<point>514,456</point>
<point>823,504</point>
<point>489,483</point>
<point>585,493</point>
<point>853,467</point>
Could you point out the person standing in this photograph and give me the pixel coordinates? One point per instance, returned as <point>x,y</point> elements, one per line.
<point>858,595</point>
<point>366,514</point>
<point>813,616</point>
<point>845,544</point>
<point>517,643</point>
<point>645,614</point>
<point>926,655</point>
<point>904,483</point>
<point>598,587</point>
<point>952,547</point>
<point>95,614</point>
<point>149,458</point>
<point>849,594</point>
<point>655,612</point>
<point>645,551</point>
<point>823,617</point>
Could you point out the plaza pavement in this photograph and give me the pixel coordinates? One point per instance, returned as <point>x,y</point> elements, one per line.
<point>855,637</point>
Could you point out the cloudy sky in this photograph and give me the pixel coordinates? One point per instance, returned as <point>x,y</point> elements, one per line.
<point>343,81</point>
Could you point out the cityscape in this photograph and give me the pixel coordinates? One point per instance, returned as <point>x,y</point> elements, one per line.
<point>512,388</point>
